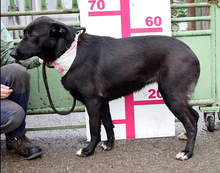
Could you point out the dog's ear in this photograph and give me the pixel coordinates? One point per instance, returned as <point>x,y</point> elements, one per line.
<point>64,37</point>
<point>57,30</point>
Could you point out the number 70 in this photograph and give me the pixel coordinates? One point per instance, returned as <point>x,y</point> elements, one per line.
<point>100,4</point>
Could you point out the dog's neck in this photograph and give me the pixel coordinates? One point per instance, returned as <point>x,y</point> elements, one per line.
<point>64,62</point>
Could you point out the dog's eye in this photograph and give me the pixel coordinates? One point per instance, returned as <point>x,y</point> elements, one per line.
<point>31,35</point>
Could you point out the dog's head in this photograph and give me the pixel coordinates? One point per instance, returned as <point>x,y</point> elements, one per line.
<point>44,38</point>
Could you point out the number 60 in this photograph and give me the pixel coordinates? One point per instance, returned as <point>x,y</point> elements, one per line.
<point>150,21</point>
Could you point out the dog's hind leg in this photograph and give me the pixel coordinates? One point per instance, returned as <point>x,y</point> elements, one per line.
<point>107,122</point>
<point>190,124</point>
<point>176,98</point>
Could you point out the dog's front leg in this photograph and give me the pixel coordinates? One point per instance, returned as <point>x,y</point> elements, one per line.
<point>93,108</point>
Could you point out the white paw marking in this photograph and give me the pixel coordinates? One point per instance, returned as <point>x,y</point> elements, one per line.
<point>79,153</point>
<point>181,156</point>
<point>104,147</point>
<point>182,136</point>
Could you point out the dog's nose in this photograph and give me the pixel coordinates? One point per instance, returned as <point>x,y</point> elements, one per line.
<point>14,53</point>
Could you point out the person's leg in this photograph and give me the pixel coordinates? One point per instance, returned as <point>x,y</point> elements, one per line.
<point>17,78</point>
<point>12,115</point>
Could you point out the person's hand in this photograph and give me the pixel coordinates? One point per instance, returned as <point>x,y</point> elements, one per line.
<point>40,60</point>
<point>5,91</point>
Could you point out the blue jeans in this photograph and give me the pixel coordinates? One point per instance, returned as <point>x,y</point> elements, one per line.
<point>14,107</point>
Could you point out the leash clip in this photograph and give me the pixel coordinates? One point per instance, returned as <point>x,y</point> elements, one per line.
<point>83,29</point>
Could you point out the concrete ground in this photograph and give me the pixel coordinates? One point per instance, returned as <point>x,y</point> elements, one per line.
<point>140,155</point>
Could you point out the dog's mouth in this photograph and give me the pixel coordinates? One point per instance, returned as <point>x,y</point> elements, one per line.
<point>16,54</point>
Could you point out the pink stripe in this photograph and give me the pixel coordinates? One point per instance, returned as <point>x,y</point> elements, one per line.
<point>129,116</point>
<point>144,30</point>
<point>148,102</point>
<point>105,13</point>
<point>117,122</point>
<point>125,18</point>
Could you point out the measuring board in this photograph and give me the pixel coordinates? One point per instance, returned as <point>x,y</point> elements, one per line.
<point>142,114</point>
<point>125,18</point>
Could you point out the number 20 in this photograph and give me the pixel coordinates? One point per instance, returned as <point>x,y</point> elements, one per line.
<point>100,4</point>
<point>154,94</point>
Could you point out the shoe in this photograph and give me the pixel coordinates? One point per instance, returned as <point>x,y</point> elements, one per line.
<point>23,147</point>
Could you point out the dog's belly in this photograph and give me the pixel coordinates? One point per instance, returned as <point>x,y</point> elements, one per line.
<point>125,88</point>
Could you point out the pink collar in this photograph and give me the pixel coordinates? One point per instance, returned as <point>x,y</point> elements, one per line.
<point>64,62</point>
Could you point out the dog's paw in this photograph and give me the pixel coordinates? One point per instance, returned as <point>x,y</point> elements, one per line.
<point>78,153</point>
<point>106,147</point>
<point>84,152</point>
<point>183,156</point>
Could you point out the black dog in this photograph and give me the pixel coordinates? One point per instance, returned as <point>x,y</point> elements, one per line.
<point>106,69</point>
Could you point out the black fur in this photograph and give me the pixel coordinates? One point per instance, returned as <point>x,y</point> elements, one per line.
<point>106,69</point>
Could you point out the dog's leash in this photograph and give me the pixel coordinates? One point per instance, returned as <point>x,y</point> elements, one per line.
<point>48,93</point>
